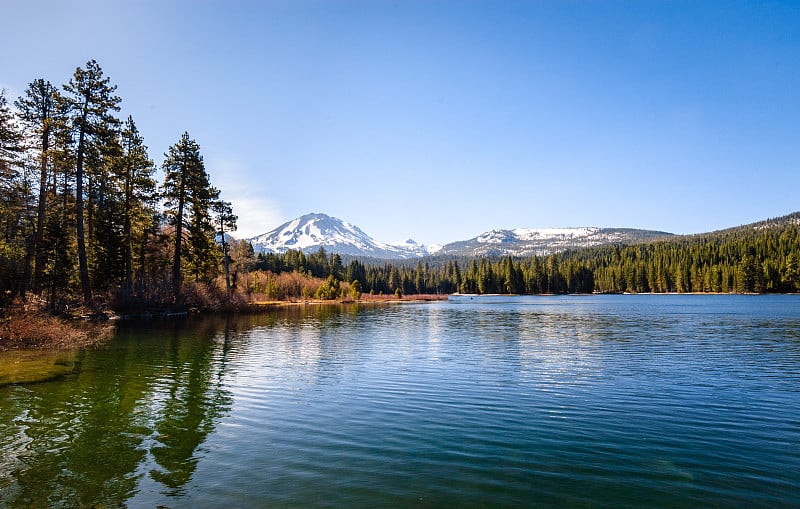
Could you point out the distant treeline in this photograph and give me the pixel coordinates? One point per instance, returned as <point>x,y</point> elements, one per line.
<point>82,217</point>
<point>756,259</point>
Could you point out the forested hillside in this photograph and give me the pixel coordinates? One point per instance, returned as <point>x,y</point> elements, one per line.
<point>82,216</point>
<point>758,258</point>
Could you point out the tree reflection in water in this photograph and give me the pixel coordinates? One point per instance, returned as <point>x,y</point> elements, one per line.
<point>90,439</point>
<point>195,401</point>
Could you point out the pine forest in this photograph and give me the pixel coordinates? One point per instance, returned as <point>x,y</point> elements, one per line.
<point>84,221</point>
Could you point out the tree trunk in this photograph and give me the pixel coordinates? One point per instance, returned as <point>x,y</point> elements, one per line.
<point>227,265</point>
<point>40,214</point>
<point>128,240</point>
<point>83,265</point>
<point>177,280</point>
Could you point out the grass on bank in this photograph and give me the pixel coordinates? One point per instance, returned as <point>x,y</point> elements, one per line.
<point>31,325</point>
<point>22,328</point>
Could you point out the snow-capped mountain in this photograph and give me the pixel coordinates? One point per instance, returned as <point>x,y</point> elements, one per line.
<point>310,232</point>
<point>545,241</point>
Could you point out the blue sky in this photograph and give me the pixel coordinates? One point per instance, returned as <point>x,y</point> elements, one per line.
<point>439,120</point>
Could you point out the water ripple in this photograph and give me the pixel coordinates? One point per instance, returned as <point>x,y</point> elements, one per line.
<point>646,401</point>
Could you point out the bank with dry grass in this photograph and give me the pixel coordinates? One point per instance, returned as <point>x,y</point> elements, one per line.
<point>36,329</point>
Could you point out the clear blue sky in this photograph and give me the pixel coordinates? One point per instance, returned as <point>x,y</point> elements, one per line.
<point>439,120</point>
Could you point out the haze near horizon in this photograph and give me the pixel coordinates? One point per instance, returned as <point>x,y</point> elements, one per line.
<point>442,120</point>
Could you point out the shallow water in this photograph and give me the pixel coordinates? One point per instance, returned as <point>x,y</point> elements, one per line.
<point>602,401</point>
<point>31,366</point>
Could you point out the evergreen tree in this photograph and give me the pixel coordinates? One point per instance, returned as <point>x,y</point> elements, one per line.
<point>134,170</point>
<point>226,221</point>
<point>202,258</point>
<point>336,266</point>
<point>10,141</point>
<point>394,281</point>
<point>59,273</point>
<point>39,111</point>
<point>748,276</point>
<point>790,273</point>
<point>105,218</point>
<point>329,290</point>
<point>356,271</point>
<point>89,102</point>
<point>13,197</point>
<point>355,290</point>
<point>189,196</point>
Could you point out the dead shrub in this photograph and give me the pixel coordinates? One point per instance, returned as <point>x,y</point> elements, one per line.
<point>30,329</point>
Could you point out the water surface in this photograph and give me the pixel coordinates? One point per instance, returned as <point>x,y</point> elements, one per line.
<point>602,401</point>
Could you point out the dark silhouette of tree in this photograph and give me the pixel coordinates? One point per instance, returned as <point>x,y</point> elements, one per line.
<point>89,102</point>
<point>134,170</point>
<point>189,196</point>
<point>39,112</point>
<point>225,219</point>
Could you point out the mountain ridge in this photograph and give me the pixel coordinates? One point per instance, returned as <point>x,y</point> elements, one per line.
<point>545,241</point>
<point>312,231</point>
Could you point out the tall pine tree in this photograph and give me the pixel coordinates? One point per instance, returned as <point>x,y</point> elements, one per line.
<point>10,141</point>
<point>189,195</point>
<point>38,109</point>
<point>12,199</point>
<point>134,170</point>
<point>225,220</point>
<point>90,99</point>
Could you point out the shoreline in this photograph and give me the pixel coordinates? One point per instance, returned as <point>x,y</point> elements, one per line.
<point>26,330</point>
<point>36,331</point>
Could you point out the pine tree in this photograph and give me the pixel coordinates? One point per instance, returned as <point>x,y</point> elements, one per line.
<point>58,267</point>
<point>225,219</point>
<point>355,290</point>
<point>202,260</point>
<point>89,99</point>
<point>105,218</point>
<point>10,141</point>
<point>12,202</point>
<point>748,275</point>
<point>336,266</point>
<point>189,196</point>
<point>39,111</point>
<point>134,170</point>
<point>790,273</point>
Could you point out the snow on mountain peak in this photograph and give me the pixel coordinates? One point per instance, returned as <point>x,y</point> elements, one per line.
<point>542,241</point>
<point>310,232</point>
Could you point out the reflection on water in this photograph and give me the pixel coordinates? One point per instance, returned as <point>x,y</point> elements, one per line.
<point>82,441</point>
<point>646,401</point>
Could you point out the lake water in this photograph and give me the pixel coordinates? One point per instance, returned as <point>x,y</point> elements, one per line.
<point>595,401</point>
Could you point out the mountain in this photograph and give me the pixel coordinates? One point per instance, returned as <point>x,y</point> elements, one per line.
<point>792,219</point>
<point>310,232</point>
<point>545,241</point>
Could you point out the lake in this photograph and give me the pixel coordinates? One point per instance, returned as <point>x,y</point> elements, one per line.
<point>574,401</point>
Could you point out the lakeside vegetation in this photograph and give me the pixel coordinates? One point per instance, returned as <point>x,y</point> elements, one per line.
<point>83,220</point>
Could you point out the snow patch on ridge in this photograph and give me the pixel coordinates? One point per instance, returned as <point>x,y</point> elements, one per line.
<point>312,231</point>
